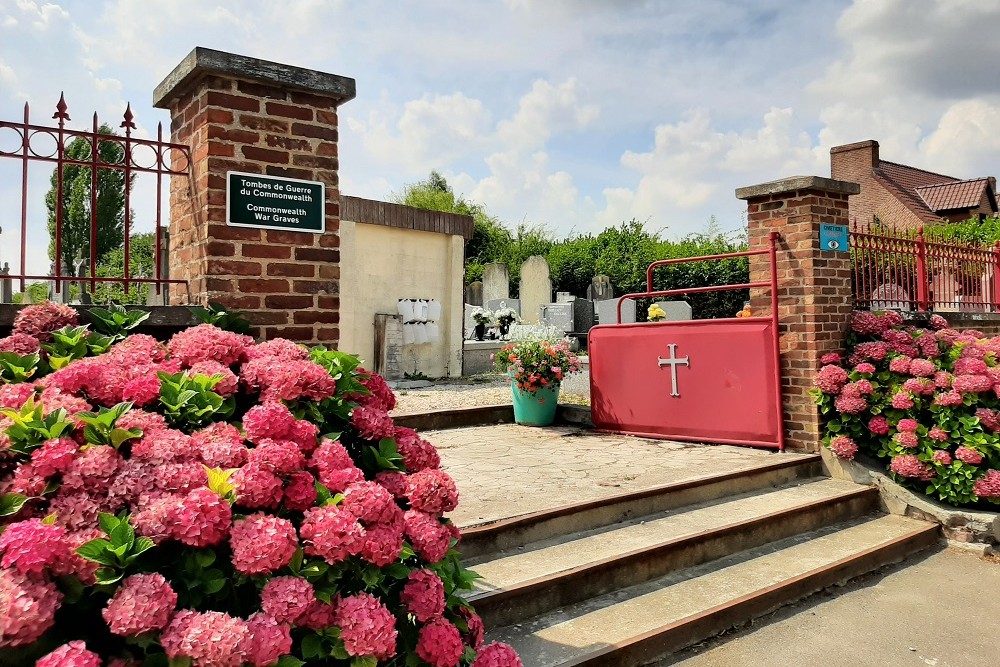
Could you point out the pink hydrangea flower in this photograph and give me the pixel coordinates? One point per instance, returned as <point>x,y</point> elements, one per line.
<point>331,533</point>
<point>19,343</point>
<point>908,465</point>
<point>267,642</point>
<point>29,607</point>
<point>476,630</point>
<point>862,387</point>
<point>850,401</point>
<point>262,543</point>
<point>73,654</point>
<point>300,491</point>
<point>423,595</point>
<point>334,466</point>
<point>282,457</point>
<point>970,366</point>
<point>202,519</point>
<point>257,486</point>
<point>429,537</point>
<point>268,420</point>
<point>439,643</point>
<point>92,470</point>
<point>988,486</point>
<point>920,386</point>
<point>432,491</point>
<point>142,390</point>
<point>875,351</point>
<point>143,603</point>
<point>54,456</point>
<point>305,435</point>
<point>966,384</point>
<point>372,424</point>
<point>830,379</point>
<point>319,616</point>
<point>946,399</point>
<point>864,368</point>
<point>147,422</point>
<point>369,502</point>
<point>13,396</point>
<point>942,457</point>
<point>907,439</point>
<point>209,639</point>
<point>165,446</point>
<point>278,348</point>
<point>497,655</point>
<point>878,425</point>
<point>40,320</point>
<point>394,482</point>
<point>866,323</point>
<point>367,627</point>
<point>938,434</point>
<point>206,342</point>
<point>381,396</point>
<point>220,445</point>
<point>383,542</point>
<point>831,358</point>
<point>900,365</point>
<point>968,455</point>
<point>938,322</point>
<point>928,346</point>
<point>902,400</point>
<point>844,447</point>
<point>990,419</point>
<point>922,368</point>
<point>31,546</point>
<point>417,453</point>
<point>287,599</point>
<point>907,424</point>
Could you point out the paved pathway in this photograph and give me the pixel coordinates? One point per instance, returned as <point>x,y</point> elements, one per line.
<point>506,470</point>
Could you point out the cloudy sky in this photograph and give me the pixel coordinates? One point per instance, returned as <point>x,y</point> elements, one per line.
<point>573,114</point>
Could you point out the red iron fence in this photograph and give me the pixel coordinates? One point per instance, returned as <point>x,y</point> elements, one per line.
<point>94,153</point>
<point>920,270</point>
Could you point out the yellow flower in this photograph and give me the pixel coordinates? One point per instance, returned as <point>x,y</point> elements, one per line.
<point>655,313</point>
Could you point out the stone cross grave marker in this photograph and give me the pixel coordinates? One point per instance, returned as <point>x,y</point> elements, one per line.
<point>496,282</point>
<point>474,293</point>
<point>558,316</point>
<point>607,311</point>
<point>676,310</point>
<point>600,289</point>
<point>536,287</point>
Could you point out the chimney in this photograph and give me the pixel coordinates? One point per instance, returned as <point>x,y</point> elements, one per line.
<point>849,161</point>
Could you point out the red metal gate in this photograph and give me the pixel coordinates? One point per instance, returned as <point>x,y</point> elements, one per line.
<point>699,380</point>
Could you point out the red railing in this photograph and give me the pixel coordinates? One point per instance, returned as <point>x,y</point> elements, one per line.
<point>919,270</point>
<point>129,155</point>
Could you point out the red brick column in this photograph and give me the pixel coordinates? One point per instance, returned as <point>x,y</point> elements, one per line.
<point>814,304</point>
<point>254,116</point>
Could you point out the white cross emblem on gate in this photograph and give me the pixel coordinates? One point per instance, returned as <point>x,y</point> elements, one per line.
<point>673,361</point>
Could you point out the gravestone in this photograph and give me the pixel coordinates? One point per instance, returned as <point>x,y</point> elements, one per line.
<point>497,304</point>
<point>564,297</point>
<point>468,324</point>
<point>496,283</point>
<point>600,289</point>
<point>676,310</point>
<point>558,316</point>
<point>583,315</point>
<point>535,289</point>
<point>6,285</point>
<point>607,311</point>
<point>474,293</point>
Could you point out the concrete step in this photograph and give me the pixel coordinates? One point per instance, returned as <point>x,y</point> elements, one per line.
<point>527,581</point>
<point>636,625</point>
<point>518,531</point>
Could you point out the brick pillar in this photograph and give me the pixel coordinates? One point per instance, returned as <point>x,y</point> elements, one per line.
<point>814,304</point>
<point>248,115</point>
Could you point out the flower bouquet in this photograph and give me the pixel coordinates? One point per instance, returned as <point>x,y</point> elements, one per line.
<point>655,313</point>
<point>536,367</point>
<point>216,502</point>
<point>505,317</point>
<point>483,318</point>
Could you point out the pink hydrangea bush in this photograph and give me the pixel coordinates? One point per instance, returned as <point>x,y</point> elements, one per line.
<point>926,401</point>
<point>179,503</point>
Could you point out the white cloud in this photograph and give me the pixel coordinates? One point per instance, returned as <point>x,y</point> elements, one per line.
<point>966,140</point>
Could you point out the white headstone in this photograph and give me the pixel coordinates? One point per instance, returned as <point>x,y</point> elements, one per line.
<point>536,287</point>
<point>607,311</point>
<point>564,297</point>
<point>496,283</point>
<point>676,310</point>
<point>497,304</point>
<point>558,316</point>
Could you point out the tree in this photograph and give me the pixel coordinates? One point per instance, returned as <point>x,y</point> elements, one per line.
<point>76,200</point>
<point>142,263</point>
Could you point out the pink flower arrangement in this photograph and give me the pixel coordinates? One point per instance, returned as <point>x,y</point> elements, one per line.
<point>240,505</point>
<point>536,364</point>
<point>831,358</point>
<point>831,379</point>
<point>968,455</point>
<point>844,447</point>
<point>908,465</point>
<point>497,654</point>
<point>879,425</point>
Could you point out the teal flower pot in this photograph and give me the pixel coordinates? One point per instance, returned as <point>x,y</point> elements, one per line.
<point>536,408</point>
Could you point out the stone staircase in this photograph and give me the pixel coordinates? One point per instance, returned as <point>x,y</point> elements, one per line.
<point>630,579</point>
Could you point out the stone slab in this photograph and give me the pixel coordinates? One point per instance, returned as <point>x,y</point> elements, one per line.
<point>795,183</point>
<point>557,315</point>
<point>607,311</point>
<point>535,287</point>
<point>496,282</point>
<point>676,310</point>
<point>202,61</point>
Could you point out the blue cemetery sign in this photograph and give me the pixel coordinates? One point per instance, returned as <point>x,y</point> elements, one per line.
<point>833,237</point>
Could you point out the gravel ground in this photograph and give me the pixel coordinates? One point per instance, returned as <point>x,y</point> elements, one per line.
<point>466,392</point>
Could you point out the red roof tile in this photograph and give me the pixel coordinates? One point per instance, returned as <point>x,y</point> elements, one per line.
<point>951,196</point>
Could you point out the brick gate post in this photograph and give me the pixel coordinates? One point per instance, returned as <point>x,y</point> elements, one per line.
<point>814,302</point>
<point>249,115</point>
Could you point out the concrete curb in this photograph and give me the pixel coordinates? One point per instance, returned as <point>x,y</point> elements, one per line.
<point>484,415</point>
<point>958,525</point>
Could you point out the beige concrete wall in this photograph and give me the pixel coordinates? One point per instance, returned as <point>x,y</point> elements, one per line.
<point>379,266</point>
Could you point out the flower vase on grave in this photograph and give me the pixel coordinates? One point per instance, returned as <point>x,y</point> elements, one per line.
<point>535,408</point>
<point>504,329</point>
<point>480,331</point>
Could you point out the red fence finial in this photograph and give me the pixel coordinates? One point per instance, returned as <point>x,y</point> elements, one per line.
<point>127,123</point>
<point>61,108</point>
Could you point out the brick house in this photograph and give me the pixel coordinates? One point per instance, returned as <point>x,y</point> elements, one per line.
<point>906,196</point>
